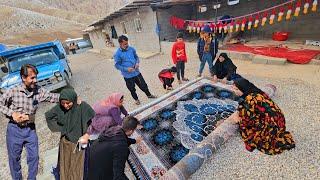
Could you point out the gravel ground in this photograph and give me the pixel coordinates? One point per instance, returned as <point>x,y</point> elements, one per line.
<point>298,96</point>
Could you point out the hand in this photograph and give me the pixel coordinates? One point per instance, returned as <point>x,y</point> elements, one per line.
<point>139,139</point>
<point>235,117</point>
<point>215,79</point>
<point>224,81</point>
<point>139,126</point>
<point>19,117</point>
<point>130,69</point>
<point>136,66</point>
<point>79,100</point>
<point>84,139</point>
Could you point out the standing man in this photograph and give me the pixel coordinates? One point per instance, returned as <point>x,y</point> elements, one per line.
<point>127,61</point>
<point>19,104</point>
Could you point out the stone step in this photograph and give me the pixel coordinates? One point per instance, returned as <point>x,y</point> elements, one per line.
<point>260,59</point>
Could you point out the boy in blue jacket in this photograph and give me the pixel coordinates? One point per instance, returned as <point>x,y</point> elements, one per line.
<point>127,61</point>
<point>207,49</point>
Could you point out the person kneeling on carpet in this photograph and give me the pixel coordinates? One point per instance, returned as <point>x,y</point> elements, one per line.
<point>108,155</point>
<point>224,69</point>
<point>261,121</point>
<point>166,76</point>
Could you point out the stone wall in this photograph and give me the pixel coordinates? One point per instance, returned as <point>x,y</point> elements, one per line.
<point>97,39</point>
<point>167,32</point>
<point>146,39</point>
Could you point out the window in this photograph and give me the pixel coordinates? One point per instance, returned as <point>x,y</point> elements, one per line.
<point>36,58</point>
<point>233,2</point>
<point>124,29</point>
<point>137,24</point>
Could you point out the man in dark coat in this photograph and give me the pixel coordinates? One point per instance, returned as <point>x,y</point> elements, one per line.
<point>108,155</point>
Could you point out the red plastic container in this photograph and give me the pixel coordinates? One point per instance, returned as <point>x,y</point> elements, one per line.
<point>280,36</point>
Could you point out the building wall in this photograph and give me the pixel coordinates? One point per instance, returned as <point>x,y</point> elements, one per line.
<point>301,27</point>
<point>97,39</point>
<point>168,32</point>
<point>147,39</point>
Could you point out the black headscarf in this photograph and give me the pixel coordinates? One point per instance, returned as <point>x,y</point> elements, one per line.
<point>225,68</point>
<point>246,87</point>
<point>72,123</point>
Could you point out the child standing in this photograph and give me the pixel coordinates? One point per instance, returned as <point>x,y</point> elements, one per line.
<point>179,57</point>
<point>166,76</point>
<point>207,49</point>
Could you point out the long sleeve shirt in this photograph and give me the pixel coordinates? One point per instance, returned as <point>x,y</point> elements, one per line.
<point>125,59</point>
<point>179,52</point>
<point>18,99</point>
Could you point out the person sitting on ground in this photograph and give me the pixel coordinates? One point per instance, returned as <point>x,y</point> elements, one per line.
<point>72,120</point>
<point>261,121</point>
<point>166,76</point>
<point>108,155</point>
<point>108,114</point>
<point>179,57</point>
<point>224,69</point>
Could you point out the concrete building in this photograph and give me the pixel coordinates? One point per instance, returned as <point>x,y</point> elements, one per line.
<point>146,22</point>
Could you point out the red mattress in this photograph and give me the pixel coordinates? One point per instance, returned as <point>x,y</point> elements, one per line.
<point>302,56</point>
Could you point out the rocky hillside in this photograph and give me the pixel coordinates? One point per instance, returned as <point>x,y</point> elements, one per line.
<point>20,26</point>
<point>93,7</point>
<point>34,21</point>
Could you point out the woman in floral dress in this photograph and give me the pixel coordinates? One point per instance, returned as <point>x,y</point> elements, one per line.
<point>261,121</point>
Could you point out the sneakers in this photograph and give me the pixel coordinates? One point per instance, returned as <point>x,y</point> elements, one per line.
<point>185,79</point>
<point>179,81</point>
<point>199,75</point>
<point>137,102</point>
<point>152,96</point>
<point>169,88</point>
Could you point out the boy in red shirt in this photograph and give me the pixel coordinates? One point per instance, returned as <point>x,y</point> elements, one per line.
<point>179,57</point>
<point>166,77</point>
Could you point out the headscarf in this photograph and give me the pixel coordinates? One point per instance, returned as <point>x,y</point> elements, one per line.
<point>225,56</point>
<point>72,123</point>
<point>246,87</point>
<point>103,119</point>
<point>112,100</point>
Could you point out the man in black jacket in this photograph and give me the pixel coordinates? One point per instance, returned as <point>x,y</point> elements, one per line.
<point>108,155</point>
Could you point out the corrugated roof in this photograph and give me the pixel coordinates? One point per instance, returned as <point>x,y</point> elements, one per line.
<point>131,6</point>
<point>135,4</point>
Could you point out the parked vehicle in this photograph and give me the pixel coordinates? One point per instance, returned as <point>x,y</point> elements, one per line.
<point>79,42</point>
<point>49,58</point>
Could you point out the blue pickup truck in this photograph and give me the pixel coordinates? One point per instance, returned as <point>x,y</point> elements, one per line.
<point>49,58</point>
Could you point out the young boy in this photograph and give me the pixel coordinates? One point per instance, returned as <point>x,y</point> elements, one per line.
<point>179,57</point>
<point>166,76</point>
<point>207,49</point>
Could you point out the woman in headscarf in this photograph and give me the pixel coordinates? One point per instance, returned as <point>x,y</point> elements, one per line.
<point>261,122</point>
<point>108,113</point>
<point>224,69</point>
<point>72,120</point>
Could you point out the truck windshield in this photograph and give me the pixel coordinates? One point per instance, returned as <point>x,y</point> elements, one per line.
<point>36,58</point>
